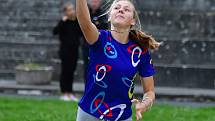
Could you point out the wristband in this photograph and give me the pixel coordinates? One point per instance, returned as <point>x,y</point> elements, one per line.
<point>148,102</point>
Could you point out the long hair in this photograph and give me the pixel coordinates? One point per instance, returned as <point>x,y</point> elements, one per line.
<point>136,34</point>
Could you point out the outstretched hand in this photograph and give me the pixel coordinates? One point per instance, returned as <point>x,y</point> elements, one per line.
<point>140,108</point>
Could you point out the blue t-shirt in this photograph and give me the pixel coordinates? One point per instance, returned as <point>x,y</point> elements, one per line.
<point>110,77</point>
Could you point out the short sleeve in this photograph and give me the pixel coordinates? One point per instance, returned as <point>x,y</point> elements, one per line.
<point>102,36</point>
<point>146,68</point>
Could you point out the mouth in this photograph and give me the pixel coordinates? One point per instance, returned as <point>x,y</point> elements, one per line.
<point>120,16</point>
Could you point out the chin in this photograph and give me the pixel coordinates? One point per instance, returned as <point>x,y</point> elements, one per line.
<point>119,24</point>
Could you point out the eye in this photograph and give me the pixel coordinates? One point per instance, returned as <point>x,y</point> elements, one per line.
<point>127,10</point>
<point>116,8</point>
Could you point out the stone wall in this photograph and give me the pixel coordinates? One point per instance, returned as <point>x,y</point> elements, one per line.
<point>26,33</point>
<point>186,28</point>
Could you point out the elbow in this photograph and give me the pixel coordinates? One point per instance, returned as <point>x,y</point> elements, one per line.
<point>83,23</point>
<point>54,33</point>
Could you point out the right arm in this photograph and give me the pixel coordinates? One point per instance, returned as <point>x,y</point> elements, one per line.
<point>89,30</point>
<point>56,29</point>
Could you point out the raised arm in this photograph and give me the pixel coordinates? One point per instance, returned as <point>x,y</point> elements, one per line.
<point>89,30</point>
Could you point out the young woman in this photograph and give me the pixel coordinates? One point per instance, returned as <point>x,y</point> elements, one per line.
<point>69,34</point>
<point>115,58</point>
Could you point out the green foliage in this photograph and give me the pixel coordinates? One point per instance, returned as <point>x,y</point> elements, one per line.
<point>33,66</point>
<point>29,66</point>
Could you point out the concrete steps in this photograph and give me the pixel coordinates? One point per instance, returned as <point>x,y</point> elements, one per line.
<point>182,24</point>
<point>187,76</point>
<point>53,88</point>
<point>186,51</point>
<point>186,27</point>
<point>177,5</point>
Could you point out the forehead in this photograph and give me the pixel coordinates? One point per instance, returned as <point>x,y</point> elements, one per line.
<point>124,3</point>
<point>95,1</point>
<point>69,7</point>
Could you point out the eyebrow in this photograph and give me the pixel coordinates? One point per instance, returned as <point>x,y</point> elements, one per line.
<point>123,6</point>
<point>127,7</point>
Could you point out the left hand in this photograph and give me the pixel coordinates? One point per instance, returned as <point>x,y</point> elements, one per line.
<point>140,108</point>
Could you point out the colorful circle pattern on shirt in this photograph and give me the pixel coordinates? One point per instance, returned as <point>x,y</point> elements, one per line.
<point>110,81</point>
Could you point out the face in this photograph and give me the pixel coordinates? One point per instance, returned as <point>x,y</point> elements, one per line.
<point>122,14</point>
<point>70,11</point>
<point>95,4</point>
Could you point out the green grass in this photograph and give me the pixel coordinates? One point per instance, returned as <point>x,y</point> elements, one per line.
<point>23,109</point>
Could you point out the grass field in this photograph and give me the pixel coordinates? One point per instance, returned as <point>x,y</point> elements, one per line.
<point>24,109</point>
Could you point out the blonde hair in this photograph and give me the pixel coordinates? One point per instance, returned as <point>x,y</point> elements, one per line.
<point>67,5</point>
<point>136,34</point>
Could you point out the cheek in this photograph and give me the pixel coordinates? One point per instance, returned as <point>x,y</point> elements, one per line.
<point>111,16</point>
<point>129,18</point>
<point>131,15</point>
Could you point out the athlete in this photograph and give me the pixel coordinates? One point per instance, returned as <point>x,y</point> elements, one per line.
<point>116,55</point>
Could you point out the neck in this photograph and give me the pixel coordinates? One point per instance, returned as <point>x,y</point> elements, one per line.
<point>121,35</point>
<point>94,10</point>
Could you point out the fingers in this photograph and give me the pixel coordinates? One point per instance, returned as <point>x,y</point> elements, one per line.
<point>138,109</point>
<point>135,101</point>
<point>138,115</point>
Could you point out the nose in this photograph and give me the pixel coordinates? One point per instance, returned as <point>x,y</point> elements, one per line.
<point>121,11</point>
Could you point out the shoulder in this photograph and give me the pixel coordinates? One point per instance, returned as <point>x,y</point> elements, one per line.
<point>142,50</point>
<point>103,34</point>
